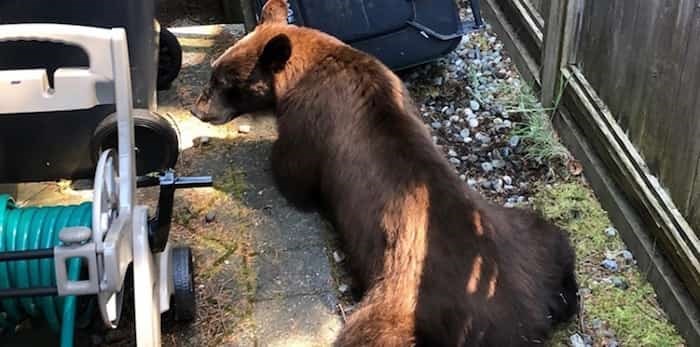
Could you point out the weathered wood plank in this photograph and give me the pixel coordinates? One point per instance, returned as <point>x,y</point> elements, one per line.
<point>552,50</point>
<point>607,138</point>
<point>597,40</point>
<point>609,63</point>
<point>633,121</point>
<point>682,121</point>
<point>622,70</point>
<point>660,87</point>
<point>531,19</point>
<point>537,4</point>
<point>535,10</point>
<point>671,292</point>
<point>572,32</point>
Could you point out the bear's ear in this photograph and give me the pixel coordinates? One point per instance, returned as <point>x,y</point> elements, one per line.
<point>276,53</point>
<point>274,11</point>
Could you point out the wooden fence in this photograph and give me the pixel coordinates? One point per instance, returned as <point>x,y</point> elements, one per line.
<point>628,73</point>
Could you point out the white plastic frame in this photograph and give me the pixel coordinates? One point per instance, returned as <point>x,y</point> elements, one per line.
<point>106,81</point>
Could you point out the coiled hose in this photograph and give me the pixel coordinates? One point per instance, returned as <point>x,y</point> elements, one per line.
<point>31,228</point>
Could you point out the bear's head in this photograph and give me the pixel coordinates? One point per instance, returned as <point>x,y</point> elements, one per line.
<point>242,78</point>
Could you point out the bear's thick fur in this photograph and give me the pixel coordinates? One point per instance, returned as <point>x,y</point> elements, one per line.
<point>438,265</point>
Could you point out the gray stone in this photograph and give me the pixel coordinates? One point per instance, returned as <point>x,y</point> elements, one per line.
<point>502,73</point>
<point>505,152</point>
<point>210,217</point>
<point>628,257</point>
<point>611,232</point>
<point>469,114</point>
<point>338,256</point>
<point>487,167</point>
<point>507,180</point>
<point>514,141</point>
<point>474,105</point>
<point>483,138</point>
<point>201,141</point>
<point>577,341</point>
<point>452,153</point>
<point>498,163</point>
<point>455,161</point>
<point>497,185</point>
<point>436,125</point>
<point>620,282</point>
<point>610,265</point>
<point>473,123</point>
<point>464,133</point>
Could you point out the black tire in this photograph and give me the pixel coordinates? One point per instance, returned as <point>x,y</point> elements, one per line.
<point>157,142</point>
<point>169,59</point>
<point>249,18</point>
<point>184,303</point>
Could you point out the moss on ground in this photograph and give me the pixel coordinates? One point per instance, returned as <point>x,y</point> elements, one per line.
<point>632,315</point>
<point>231,181</point>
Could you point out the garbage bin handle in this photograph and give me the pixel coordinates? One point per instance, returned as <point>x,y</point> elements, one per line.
<point>97,42</point>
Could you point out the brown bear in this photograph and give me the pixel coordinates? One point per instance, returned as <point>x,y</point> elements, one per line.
<point>437,263</point>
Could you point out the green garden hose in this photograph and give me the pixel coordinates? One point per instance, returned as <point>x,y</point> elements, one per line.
<point>36,228</point>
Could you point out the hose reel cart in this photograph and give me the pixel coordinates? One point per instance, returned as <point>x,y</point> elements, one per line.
<point>52,255</point>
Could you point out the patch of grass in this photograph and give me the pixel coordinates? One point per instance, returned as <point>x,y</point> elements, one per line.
<point>232,181</point>
<point>632,314</point>
<point>535,129</point>
<point>575,208</point>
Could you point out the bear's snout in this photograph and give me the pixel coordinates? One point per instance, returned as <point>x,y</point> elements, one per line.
<point>207,109</point>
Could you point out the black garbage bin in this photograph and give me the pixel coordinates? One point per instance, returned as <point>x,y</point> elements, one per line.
<point>63,145</point>
<point>400,33</point>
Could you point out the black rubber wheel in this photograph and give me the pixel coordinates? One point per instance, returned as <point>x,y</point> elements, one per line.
<point>250,20</point>
<point>184,303</point>
<point>157,143</point>
<point>169,59</point>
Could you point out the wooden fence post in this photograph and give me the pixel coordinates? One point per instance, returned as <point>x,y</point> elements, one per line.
<point>560,36</point>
